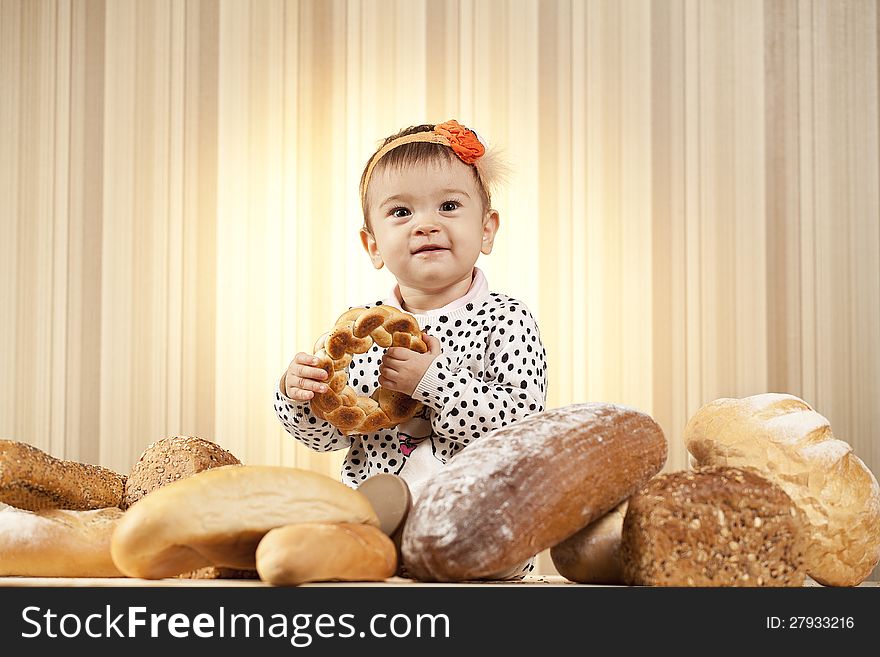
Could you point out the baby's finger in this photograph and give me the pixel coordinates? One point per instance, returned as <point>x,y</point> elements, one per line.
<point>297,382</point>
<point>299,394</point>
<point>302,358</point>
<point>389,369</point>
<point>395,353</point>
<point>385,382</point>
<point>432,343</point>
<point>310,372</point>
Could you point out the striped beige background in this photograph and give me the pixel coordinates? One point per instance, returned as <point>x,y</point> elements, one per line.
<point>693,212</point>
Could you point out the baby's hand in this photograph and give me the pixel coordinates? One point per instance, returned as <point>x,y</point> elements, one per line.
<point>403,368</point>
<point>303,378</point>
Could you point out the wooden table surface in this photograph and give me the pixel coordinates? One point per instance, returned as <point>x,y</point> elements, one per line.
<point>542,580</point>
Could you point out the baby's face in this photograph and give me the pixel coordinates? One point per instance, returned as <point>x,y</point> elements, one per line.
<point>428,223</point>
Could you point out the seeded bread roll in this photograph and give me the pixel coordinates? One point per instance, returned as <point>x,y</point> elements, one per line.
<point>526,487</point>
<point>57,542</point>
<point>315,552</point>
<point>218,517</point>
<point>32,479</point>
<point>713,527</point>
<point>171,459</point>
<point>793,446</point>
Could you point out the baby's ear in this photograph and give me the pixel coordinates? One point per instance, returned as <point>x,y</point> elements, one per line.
<point>371,248</point>
<point>490,228</point>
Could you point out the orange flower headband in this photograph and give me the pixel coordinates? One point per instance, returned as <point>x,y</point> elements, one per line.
<point>464,143</point>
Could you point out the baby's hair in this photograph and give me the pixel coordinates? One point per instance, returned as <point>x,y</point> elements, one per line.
<point>489,170</point>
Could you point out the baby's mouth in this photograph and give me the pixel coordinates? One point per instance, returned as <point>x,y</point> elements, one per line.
<point>429,249</point>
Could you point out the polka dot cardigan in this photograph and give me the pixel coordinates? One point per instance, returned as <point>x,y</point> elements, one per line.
<point>492,372</point>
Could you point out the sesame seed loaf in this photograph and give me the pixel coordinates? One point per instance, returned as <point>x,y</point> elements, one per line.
<point>171,459</point>
<point>713,527</point>
<point>527,486</point>
<point>33,480</point>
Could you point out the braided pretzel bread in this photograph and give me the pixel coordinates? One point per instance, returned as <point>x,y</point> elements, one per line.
<point>354,333</point>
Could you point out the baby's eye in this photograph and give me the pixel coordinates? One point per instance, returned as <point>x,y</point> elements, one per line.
<point>450,206</point>
<point>399,212</point>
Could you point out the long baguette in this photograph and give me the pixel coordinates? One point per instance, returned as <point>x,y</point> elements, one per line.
<point>57,542</point>
<point>321,552</point>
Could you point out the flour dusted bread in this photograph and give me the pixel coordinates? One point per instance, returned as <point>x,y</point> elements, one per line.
<point>32,479</point>
<point>57,542</point>
<point>218,517</point>
<point>592,555</point>
<point>319,552</point>
<point>793,446</point>
<point>528,486</point>
<point>713,527</point>
<point>171,459</point>
<point>354,333</point>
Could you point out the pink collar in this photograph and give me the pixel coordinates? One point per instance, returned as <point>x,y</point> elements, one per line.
<point>478,289</point>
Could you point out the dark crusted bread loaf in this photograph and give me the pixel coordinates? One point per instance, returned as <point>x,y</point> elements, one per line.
<point>527,486</point>
<point>32,479</point>
<point>171,459</point>
<point>713,527</point>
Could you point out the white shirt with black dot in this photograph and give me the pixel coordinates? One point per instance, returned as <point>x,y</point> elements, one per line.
<point>492,372</point>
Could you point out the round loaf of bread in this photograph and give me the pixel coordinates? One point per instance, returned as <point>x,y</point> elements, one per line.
<point>526,487</point>
<point>713,527</point>
<point>592,555</point>
<point>57,542</point>
<point>318,552</point>
<point>354,333</point>
<point>218,517</point>
<point>793,446</point>
<point>32,479</point>
<point>171,459</point>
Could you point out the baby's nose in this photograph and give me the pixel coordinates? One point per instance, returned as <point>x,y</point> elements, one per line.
<point>427,228</point>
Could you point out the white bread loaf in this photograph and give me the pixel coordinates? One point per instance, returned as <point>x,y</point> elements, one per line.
<point>526,487</point>
<point>57,542</point>
<point>168,460</point>
<point>218,517</point>
<point>318,552</point>
<point>793,446</point>
<point>592,555</point>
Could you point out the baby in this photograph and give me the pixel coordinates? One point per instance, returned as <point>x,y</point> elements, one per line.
<point>425,195</point>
